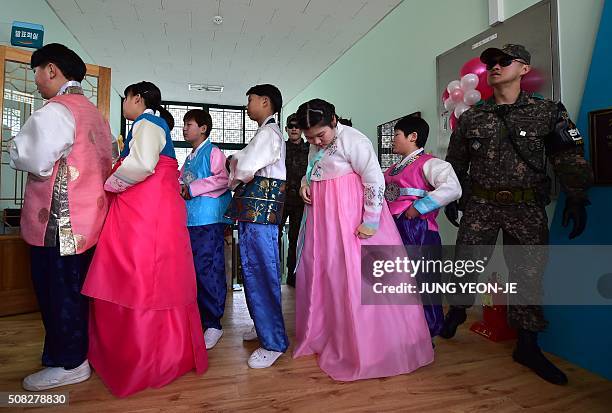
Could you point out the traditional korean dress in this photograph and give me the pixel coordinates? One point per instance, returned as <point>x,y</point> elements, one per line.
<point>427,183</point>
<point>352,341</point>
<point>65,147</point>
<point>145,326</point>
<point>257,174</point>
<point>205,175</point>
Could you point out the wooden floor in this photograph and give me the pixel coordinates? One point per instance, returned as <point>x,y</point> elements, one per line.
<point>470,374</point>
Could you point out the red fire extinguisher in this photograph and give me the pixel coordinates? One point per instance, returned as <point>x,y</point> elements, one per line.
<point>494,323</point>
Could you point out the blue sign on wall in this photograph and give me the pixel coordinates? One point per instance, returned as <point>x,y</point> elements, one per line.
<point>27,35</point>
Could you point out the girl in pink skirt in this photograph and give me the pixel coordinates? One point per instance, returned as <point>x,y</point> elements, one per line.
<point>144,328</point>
<point>345,208</point>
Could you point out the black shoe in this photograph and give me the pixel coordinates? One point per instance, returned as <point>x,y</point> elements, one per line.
<point>528,353</point>
<point>291,280</point>
<point>453,319</point>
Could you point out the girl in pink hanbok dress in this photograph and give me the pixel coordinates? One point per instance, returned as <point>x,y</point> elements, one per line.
<point>144,328</point>
<point>345,208</point>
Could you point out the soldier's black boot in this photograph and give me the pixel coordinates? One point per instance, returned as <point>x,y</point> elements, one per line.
<point>453,319</point>
<point>528,353</point>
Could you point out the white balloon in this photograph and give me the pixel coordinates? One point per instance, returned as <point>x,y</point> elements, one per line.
<point>469,82</point>
<point>460,108</point>
<point>455,84</point>
<point>471,97</point>
<point>449,104</point>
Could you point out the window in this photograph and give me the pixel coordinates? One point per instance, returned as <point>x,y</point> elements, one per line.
<point>232,129</point>
<point>386,157</point>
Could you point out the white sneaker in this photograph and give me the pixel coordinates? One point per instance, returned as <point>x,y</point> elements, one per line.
<point>250,335</point>
<point>211,337</point>
<point>52,377</point>
<point>262,358</point>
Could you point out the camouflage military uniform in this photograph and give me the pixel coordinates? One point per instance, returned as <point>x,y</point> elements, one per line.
<point>499,154</point>
<point>296,161</point>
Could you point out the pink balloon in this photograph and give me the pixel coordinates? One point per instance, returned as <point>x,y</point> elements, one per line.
<point>475,66</point>
<point>456,95</point>
<point>471,97</point>
<point>533,81</point>
<point>445,95</point>
<point>469,81</point>
<point>452,85</point>
<point>452,121</point>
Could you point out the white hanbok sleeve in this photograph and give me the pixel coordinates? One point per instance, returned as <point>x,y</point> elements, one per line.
<point>263,150</point>
<point>442,177</point>
<point>47,136</point>
<point>360,153</point>
<point>148,140</point>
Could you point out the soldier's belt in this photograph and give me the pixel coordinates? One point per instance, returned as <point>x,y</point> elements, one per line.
<point>504,196</point>
<point>394,191</point>
<point>260,201</point>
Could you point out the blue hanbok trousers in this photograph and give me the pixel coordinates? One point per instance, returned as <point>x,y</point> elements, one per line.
<point>64,310</point>
<point>261,273</point>
<point>209,261</point>
<point>414,232</point>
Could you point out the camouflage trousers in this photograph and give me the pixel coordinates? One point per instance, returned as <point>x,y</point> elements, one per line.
<point>523,226</point>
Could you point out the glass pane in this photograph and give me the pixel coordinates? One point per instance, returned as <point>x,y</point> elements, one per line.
<point>21,99</point>
<point>216,135</point>
<point>217,118</point>
<point>232,119</point>
<point>232,136</point>
<point>90,88</point>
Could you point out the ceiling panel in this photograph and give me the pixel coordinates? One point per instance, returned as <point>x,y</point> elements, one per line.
<point>174,42</point>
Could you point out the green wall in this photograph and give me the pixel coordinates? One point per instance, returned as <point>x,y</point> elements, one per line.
<point>391,71</point>
<point>39,12</point>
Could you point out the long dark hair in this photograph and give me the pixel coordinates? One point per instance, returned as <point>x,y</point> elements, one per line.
<point>152,99</point>
<point>315,112</point>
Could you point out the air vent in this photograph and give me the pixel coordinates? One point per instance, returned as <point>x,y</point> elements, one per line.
<point>205,88</point>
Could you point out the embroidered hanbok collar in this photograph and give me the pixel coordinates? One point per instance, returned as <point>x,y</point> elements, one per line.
<point>407,161</point>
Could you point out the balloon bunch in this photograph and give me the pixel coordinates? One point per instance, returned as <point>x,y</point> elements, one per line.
<point>461,94</point>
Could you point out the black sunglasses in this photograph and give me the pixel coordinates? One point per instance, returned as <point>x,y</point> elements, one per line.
<point>293,126</point>
<point>504,61</point>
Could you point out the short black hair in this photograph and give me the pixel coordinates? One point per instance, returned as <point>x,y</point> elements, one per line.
<point>315,112</point>
<point>68,62</point>
<point>269,91</point>
<point>201,117</point>
<point>411,124</point>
